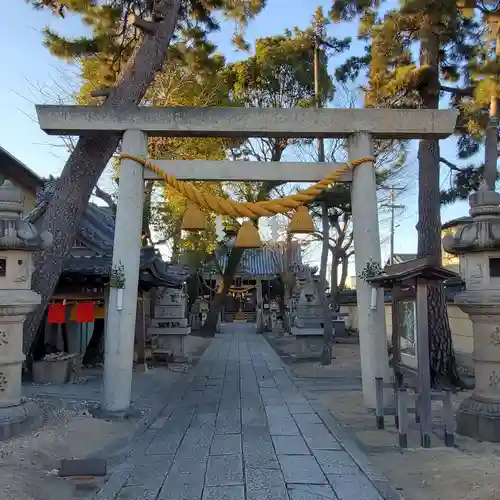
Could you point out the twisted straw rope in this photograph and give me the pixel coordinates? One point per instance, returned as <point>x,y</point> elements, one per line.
<point>250,210</point>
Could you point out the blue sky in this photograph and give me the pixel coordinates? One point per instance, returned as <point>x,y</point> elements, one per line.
<point>32,75</point>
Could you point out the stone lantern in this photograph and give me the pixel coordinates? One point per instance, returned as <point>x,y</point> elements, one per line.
<point>478,245</point>
<point>18,241</point>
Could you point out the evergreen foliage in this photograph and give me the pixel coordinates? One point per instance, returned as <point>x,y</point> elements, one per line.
<point>466,73</point>
<point>113,38</point>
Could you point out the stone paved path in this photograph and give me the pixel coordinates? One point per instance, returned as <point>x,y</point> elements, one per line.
<point>238,428</point>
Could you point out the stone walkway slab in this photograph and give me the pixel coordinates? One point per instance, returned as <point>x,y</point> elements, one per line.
<point>239,428</point>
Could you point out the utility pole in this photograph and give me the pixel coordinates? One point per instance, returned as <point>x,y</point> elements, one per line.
<point>326,355</point>
<point>393,208</point>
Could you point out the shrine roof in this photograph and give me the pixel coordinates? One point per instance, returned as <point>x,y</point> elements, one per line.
<point>18,172</point>
<point>262,262</point>
<point>93,250</point>
<point>409,270</point>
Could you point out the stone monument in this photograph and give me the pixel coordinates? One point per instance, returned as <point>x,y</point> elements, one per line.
<point>18,241</point>
<point>308,324</point>
<point>170,324</point>
<point>478,244</point>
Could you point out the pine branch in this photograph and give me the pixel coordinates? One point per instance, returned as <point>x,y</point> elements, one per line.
<point>467,92</point>
<point>450,165</point>
<point>106,197</point>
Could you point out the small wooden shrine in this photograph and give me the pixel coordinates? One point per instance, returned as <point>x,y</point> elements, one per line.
<point>257,282</point>
<point>75,318</point>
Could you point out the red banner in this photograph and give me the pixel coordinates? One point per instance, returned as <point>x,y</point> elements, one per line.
<point>85,312</point>
<point>57,313</point>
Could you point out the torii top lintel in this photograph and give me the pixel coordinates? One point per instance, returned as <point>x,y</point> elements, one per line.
<point>249,122</point>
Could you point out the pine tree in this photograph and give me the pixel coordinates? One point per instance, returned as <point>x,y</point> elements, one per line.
<point>478,102</point>
<point>411,52</point>
<point>128,47</point>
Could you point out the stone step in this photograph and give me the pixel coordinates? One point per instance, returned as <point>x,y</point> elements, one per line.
<point>169,322</point>
<point>183,330</point>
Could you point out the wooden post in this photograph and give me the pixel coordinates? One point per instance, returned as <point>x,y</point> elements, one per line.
<point>396,354</point>
<point>448,419</point>
<point>259,315</point>
<point>403,418</point>
<point>140,335</point>
<point>424,379</point>
<point>379,400</point>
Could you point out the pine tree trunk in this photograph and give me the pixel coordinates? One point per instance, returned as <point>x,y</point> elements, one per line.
<point>334,276</point>
<point>233,261</point>
<point>88,160</point>
<point>442,359</point>
<point>146,213</point>
<point>176,242</point>
<point>343,273</point>
<point>326,354</point>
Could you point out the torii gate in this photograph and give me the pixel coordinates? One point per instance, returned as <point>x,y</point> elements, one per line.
<point>358,126</point>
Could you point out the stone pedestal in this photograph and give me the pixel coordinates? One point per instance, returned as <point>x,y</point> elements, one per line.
<point>308,328</point>
<point>18,240</point>
<point>170,325</point>
<point>478,244</point>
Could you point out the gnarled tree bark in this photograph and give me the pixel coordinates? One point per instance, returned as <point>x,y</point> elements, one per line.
<point>89,158</point>
<point>442,357</point>
<point>233,261</point>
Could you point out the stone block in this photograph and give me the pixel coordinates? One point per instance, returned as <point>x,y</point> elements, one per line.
<point>336,462</point>
<point>258,449</point>
<point>172,296</point>
<point>224,493</point>
<point>17,420</point>
<point>301,469</point>
<point>353,486</point>
<point>339,328</point>
<point>182,487</point>
<point>169,323</point>
<point>180,331</point>
<point>311,492</point>
<point>282,426</point>
<point>480,421</point>
<point>226,444</point>
<point>290,445</point>
<point>308,343</point>
<point>224,470</point>
<point>265,484</point>
<point>323,443</point>
<point>299,408</point>
<point>228,422</point>
<point>91,467</point>
<point>307,418</point>
<point>173,311</point>
<point>171,340</point>
<point>50,372</point>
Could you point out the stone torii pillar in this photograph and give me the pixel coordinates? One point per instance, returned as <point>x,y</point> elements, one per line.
<point>371,321</point>
<point>122,304</point>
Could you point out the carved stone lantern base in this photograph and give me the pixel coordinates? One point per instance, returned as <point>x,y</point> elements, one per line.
<point>19,419</point>
<point>478,417</point>
<point>479,420</point>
